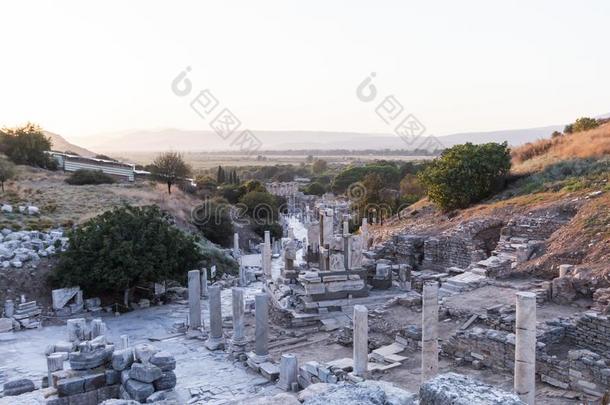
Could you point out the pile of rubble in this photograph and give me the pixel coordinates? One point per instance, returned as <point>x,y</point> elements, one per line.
<point>25,316</point>
<point>21,248</point>
<point>97,372</point>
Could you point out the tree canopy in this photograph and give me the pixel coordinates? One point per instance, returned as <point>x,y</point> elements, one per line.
<point>124,247</point>
<point>169,168</point>
<point>27,145</point>
<point>465,174</point>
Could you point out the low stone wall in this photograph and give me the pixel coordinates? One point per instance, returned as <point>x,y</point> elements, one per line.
<point>581,370</point>
<point>591,331</point>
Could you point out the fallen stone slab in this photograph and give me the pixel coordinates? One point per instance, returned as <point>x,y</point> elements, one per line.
<point>18,387</point>
<point>70,386</point>
<point>163,360</point>
<point>139,391</point>
<point>167,381</point>
<point>457,389</point>
<point>146,373</point>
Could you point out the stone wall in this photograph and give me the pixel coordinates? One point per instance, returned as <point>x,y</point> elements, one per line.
<point>581,369</point>
<point>591,331</point>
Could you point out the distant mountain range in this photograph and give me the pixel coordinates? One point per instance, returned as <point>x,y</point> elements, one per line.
<point>143,140</point>
<point>187,140</point>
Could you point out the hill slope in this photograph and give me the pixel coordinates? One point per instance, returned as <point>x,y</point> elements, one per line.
<point>60,144</point>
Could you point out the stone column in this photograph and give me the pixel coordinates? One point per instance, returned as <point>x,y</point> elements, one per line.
<point>243,281</point>
<point>238,340</point>
<point>235,244</point>
<point>347,251</point>
<point>55,362</point>
<point>525,347</point>
<point>215,340</point>
<point>364,230</point>
<point>9,308</point>
<point>289,368</point>
<point>261,347</point>
<point>429,360</point>
<point>361,339</point>
<point>204,283</point>
<point>194,286</point>
<point>345,227</point>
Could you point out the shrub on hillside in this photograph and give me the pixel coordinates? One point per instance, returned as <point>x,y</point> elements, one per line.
<point>27,145</point>
<point>213,219</point>
<point>532,149</point>
<point>85,176</point>
<point>465,174</point>
<point>581,124</point>
<point>125,247</point>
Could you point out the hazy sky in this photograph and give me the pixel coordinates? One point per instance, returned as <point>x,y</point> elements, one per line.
<point>82,68</point>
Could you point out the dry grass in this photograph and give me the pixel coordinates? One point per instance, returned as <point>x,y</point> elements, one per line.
<point>534,156</point>
<point>62,204</point>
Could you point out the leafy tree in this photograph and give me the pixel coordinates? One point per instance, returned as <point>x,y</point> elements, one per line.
<point>7,171</point>
<point>169,168</point>
<point>584,124</point>
<point>314,189</point>
<point>232,193</point>
<point>27,145</point>
<point>206,183</point>
<point>254,185</point>
<point>220,176</point>
<point>319,166</point>
<point>568,129</point>
<point>214,221</point>
<point>84,176</point>
<point>556,134</point>
<point>465,174</point>
<point>123,248</point>
<point>390,176</point>
<point>261,206</point>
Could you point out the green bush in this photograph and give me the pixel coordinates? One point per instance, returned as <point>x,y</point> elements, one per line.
<point>213,219</point>
<point>85,176</point>
<point>584,124</point>
<point>465,174</point>
<point>125,247</point>
<point>388,172</point>
<point>27,145</point>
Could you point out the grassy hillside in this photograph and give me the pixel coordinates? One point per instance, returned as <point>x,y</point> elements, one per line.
<point>62,204</point>
<point>549,175</point>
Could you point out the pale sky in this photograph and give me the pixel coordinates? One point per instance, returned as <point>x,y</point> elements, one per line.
<point>81,68</point>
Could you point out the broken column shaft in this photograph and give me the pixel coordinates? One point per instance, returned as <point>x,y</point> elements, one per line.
<point>361,339</point>
<point>429,360</point>
<point>215,340</point>
<point>238,340</point>
<point>261,348</point>
<point>194,287</point>
<point>525,347</point>
<point>204,283</point>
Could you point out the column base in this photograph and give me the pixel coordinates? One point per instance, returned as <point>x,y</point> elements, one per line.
<point>215,343</point>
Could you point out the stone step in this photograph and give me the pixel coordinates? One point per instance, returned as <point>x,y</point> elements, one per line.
<point>479,271</point>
